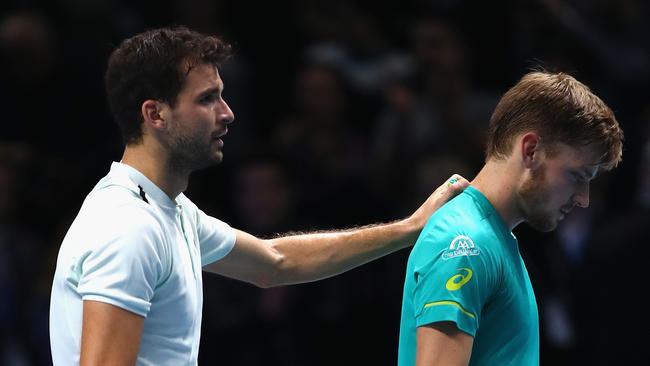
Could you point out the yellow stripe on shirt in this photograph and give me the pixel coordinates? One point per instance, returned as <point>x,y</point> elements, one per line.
<point>452,303</point>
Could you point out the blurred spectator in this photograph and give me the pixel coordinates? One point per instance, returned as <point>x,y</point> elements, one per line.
<point>28,47</point>
<point>435,110</point>
<point>264,198</point>
<point>359,51</point>
<point>263,204</point>
<point>28,62</point>
<point>459,110</point>
<point>23,309</point>
<point>321,142</point>
<point>617,40</point>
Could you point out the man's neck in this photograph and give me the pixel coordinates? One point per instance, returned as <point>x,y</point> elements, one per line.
<point>155,166</point>
<point>498,181</point>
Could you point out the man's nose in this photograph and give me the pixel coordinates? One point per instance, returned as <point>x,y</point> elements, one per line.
<point>225,114</point>
<point>581,197</point>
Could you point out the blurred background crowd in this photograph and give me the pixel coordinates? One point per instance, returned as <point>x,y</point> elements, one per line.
<point>347,112</point>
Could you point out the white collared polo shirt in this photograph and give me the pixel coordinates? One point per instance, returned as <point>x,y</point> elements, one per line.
<point>133,247</point>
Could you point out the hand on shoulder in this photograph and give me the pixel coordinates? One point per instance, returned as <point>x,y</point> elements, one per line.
<point>446,191</point>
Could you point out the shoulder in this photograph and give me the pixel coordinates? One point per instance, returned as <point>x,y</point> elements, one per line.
<point>113,212</point>
<point>117,235</point>
<point>459,217</point>
<point>458,229</point>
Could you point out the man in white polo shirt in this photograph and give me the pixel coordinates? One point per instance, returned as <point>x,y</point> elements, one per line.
<point>127,288</point>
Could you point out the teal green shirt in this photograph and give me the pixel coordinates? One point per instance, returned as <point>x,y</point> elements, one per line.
<point>466,268</point>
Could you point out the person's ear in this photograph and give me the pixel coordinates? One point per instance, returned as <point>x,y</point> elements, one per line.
<point>531,150</point>
<point>154,114</point>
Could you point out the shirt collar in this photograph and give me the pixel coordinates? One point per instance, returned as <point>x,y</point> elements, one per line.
<point>151,190</point>
<point>489,210</point>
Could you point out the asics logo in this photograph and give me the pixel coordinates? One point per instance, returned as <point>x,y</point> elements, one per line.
<point>459,280</point>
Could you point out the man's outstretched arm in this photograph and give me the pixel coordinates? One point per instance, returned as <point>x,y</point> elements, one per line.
<point>310,257</point>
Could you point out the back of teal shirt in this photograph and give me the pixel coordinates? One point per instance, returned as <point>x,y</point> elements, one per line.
<point>466,268</point>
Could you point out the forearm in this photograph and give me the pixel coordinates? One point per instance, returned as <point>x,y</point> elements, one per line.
<point>310,257</point>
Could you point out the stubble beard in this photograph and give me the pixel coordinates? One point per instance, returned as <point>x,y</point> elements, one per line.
<point>534,196</point>
<point>188,154</point>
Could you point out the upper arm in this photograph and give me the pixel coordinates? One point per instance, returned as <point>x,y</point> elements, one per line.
<point>110,335</point>
<point>124,263</point>
<point>251,260</point>
<point>443,344</point>
<point>456,283</point>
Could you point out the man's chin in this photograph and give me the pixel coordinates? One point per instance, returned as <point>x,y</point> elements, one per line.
<point>214,157</point>
<point>543,225</point>
<point>218,158</point>
<point>206,163</point>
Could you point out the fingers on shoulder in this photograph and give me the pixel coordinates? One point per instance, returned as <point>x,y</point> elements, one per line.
<point>457,182</point>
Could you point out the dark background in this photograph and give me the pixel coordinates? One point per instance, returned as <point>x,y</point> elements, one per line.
<point>347,113</point>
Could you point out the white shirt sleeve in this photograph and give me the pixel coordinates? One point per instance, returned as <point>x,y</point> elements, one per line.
<point>215,237</point>
<point>125,262</point>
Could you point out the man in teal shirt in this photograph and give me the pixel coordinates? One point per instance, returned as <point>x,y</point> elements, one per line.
<point>467,295</point>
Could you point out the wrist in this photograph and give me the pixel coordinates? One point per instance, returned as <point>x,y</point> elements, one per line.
<point>411,228</point>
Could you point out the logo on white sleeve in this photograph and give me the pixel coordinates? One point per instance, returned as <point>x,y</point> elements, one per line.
<point>461,246</point>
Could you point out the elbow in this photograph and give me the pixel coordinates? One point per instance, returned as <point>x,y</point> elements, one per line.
<point>274,273</point>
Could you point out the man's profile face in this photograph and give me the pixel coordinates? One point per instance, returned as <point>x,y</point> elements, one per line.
<point>199,120</point>
<point>558,185</point>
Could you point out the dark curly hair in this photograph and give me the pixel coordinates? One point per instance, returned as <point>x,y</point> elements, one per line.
<point>154,65</point>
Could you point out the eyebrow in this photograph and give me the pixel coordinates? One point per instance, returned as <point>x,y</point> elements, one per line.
<point>212,90</point>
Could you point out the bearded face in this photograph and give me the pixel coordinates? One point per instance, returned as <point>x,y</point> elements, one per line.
<point>537,202</point>
<point>191,152</point>
<point>198,122</point>
<point>552,189</point>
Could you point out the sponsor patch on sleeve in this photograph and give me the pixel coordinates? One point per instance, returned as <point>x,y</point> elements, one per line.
<point>462,245</point>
